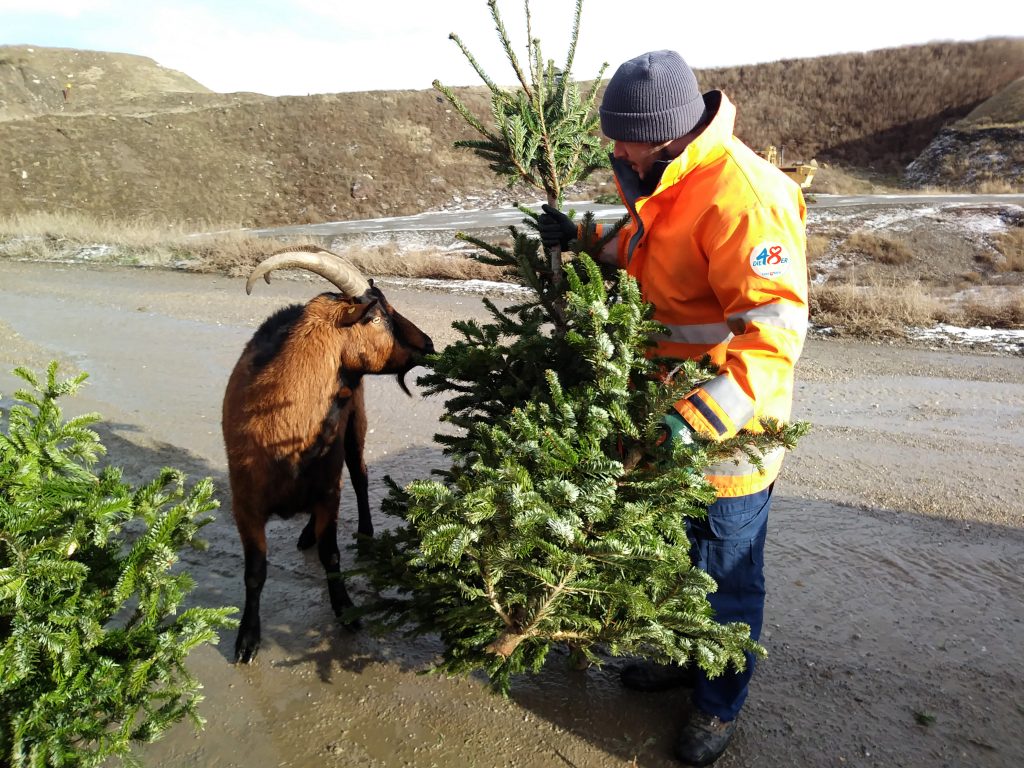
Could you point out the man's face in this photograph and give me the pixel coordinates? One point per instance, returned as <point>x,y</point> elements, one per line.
<point>641,155</point>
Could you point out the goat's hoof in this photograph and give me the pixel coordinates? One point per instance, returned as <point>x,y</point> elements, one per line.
<point>364,545</point>
<point>349,622</point>
<point>245,650</point>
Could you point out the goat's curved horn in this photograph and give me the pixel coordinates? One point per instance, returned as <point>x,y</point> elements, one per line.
<point>329,266</point>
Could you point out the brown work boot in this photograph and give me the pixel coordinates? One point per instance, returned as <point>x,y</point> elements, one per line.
<point>704,739</point>
<point>649,677</point>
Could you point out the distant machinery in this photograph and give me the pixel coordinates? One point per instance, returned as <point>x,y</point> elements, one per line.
<point>801,173</point>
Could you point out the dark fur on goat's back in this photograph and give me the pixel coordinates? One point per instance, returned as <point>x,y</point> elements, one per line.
<point>273,333</point>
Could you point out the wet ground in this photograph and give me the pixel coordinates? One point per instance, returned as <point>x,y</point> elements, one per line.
<point>895,561</point>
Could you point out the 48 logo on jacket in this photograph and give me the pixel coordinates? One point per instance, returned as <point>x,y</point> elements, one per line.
<point>769,260</point>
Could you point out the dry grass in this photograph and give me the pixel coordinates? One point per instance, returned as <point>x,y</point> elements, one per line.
<point>139,233</point>
<point>1004,108</point>
<point>996,187</point>
<point>426,264</point>
<point>817,246</point>
<point>869,303</point>
<point>1011,245</point>
<point>838,180</point>
<point>884,249</point>
<point>1007,312</point>
<point>71,237</point>
<point>873,311</point>
<point>970,278</point>
<point>80,238</point>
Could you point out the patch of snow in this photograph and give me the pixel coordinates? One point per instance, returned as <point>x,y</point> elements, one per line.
<point>478,287</point>
<point>90,252</point>
<point>1002,340</point>
<point>826,266</point>
<point>983,223</point>
<point>891,219</point>
<point>14,243</point>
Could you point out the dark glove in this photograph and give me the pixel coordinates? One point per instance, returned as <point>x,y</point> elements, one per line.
<point>555,228</point>
<point>674,427</point>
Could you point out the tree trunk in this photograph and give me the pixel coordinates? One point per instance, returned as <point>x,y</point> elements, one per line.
<point>555,252</point>
<point>506,643</point>
<point>555,257</point>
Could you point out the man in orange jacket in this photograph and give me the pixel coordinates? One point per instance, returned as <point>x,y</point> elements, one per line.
<point>717,243</point>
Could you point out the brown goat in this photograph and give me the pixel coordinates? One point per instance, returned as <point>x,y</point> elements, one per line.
<point>293,415</point>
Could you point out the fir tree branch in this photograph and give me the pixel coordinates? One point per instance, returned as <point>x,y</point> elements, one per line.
<point>473,63</point>
<point>492,596</point>
<point>507,45</point>
<point>571,55</point>
<point>464,111</point>
<point>568,637</point>
<point>507,642</point>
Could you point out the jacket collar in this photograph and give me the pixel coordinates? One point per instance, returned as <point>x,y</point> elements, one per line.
<point>707,145</point>
<point>709,142</point>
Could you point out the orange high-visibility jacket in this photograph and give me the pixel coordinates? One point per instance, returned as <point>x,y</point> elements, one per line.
<point>719,249</point>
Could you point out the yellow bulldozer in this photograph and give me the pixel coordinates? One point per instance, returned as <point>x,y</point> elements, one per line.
<point>801,173</point>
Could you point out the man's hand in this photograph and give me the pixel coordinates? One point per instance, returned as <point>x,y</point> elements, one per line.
<point>674,427</point>
<point>555,228</point>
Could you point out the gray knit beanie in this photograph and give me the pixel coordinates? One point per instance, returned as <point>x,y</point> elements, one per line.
<point>653,97</point>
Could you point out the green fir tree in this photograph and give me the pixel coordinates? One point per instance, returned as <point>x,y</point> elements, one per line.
<point>93,640</point>
<point>544,131</point>
<point>562,518</point>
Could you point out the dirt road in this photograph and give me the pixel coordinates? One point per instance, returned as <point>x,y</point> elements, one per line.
<point>895,557</point>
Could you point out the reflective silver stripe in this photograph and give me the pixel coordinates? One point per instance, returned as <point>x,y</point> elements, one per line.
<point>728,396</point>
<point>791,317</point>
<point>709,333</point>
<point>741,466</point>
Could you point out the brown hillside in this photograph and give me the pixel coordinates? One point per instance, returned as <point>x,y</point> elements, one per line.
<point>983,151</point>
<point>135,140</point>
<point>265,162</point>
<point>866,109</point>
<point>1005,108</point>
<point>33,81</point>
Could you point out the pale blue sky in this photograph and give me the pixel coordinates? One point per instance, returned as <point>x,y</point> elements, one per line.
<point>320,46</point>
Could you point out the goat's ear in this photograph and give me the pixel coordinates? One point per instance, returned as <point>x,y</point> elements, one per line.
<point>356,313</point>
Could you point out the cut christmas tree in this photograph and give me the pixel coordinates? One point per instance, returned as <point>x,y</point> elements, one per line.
<point>561,520</point>
<point>94,637</point>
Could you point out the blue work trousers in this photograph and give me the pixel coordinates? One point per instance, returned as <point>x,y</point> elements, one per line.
<point>729,546</point>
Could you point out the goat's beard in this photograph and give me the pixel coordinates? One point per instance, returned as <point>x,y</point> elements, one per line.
<point>415,362</point>
<point>400,378</point>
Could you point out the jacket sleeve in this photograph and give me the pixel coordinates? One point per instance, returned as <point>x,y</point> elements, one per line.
<point>758,270</point>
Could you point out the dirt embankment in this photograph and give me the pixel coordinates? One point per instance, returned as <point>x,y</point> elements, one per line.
<point>131,140</point>
<point>895,556</point>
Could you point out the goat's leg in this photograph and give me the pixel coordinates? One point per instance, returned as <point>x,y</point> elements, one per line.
<point>308,536</point>
<point>355,442</point>
<point>326,514</point>
<point>357,475</point>
<point>254,544</point>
